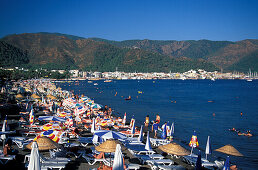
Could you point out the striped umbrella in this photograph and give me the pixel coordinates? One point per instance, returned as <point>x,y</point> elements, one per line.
<point>194,142</point>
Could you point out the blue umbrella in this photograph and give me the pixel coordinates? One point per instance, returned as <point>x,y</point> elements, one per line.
<point>107,134</point>
<point>198,165</point>
<point>140,135</point>
<point>164,132</point>
<point>227,164</point>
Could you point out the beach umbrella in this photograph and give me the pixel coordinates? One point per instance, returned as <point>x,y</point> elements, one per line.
<point>96,106</point>
<point>227,164</point>
<point>51,118</point>
<point>229,150</point>
<point>164,132</point>
<point>109,146</point>
<point>148,145</point>
<point>208,147</point>
<point>32,117</point>
<point>198,165</point>
<point>19,96</point>
<point>34,163</point>
<point>124,119</point>
<point>194,142</point>
<point>93,126</point>
<point>106,134</point>
<point>51,125</point>
<point>140,135</point>
<point>44,143</point>
<point>175,149</point>
<point>52,134</point>
<point>118,159</point>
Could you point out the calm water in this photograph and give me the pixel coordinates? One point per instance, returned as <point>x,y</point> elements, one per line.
<point>191,111</point>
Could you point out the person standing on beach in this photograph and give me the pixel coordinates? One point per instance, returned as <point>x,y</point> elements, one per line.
<point>146,124</point>
<point>158,118</point>
<point>155,127</point>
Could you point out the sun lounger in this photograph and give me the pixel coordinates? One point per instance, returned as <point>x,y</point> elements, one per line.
<point>161,161</point>
<point>21,142</point>
<point>5,159</point>
<point>171,167</point>
<point>191,159</point>
<point>84,141</point>
<point>158,142</point>
<point>45,166</point>
<point>133,166</point>
<point>91,160</point>
<point>43,159</point>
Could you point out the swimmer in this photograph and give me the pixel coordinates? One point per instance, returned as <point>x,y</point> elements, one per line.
<point>241,114</point>
<point>248,133</point>
<point>233,129</point>
<point>240,133</point>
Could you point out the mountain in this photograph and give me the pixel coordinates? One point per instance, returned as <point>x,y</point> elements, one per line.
<point>12,56</point>
<point>223,54</point>
<point>55,50</point>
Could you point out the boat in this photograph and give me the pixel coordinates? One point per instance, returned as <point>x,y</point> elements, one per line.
<point>108,81</point>
<point>89,81</point>
<point>129,98</point>
<point>95,84</point>
<point>249,80</point>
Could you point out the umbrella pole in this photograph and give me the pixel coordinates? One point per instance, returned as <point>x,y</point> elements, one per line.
<point>110,161</point>
<point>192,150</point>
<point>206,156</point>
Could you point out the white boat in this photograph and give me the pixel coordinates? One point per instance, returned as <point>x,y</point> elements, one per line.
<point>108,81</point>
<point>249,80</point>
<point>95,84</point>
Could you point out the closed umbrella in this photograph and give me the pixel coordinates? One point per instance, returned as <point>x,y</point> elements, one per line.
<point>3,136</point>
<point>140,135</point>
<point>172,130</point>
<point>194,142</point>
<point>164,132</point>
<point>124,119</point>
<point>93,126</point>
<point>208,147</point>
<point>34,163</point>
<point>148,145</point>
<point>133,128</point>
<point>198,165</point>
<point>118,159</point>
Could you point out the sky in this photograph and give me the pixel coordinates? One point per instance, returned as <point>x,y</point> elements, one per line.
<point>231,20</point>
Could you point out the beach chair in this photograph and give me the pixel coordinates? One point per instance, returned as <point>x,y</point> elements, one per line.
<point>139,149</point>
<point>21,142</point>
<point>43,159</point>
<point>133,166</point>
<point>5,159</point>
<point>46,166</point>
<point>158,142</point>
<point>92,160</point>
<point>191,160</point>
<point>84,141</point>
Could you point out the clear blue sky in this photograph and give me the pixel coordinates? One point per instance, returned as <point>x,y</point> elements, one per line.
<point>133,19</point>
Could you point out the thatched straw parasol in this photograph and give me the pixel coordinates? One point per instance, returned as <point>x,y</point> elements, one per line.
<point>44,143</point>
<point>230,150</point>
<point>109,146</point>
<point>19,96</point>
<point>35,96</point>
<point>175,149</point>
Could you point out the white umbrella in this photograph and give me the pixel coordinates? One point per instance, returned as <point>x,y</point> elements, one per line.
<point>3,136</point>
<point>34,163</point>
<point>118,159</point>
<point>172,130</point>
<point>208,147</point>
<point>124,119</point>
<point>148,145</point>
<point>140,135</point>
<point>93,126</point>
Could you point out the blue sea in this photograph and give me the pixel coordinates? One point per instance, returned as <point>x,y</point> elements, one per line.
<point>208,107</point>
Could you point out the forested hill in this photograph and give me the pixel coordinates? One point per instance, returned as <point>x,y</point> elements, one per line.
<point>59,51</point>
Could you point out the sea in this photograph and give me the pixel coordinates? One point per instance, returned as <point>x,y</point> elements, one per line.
<point>210,108</point>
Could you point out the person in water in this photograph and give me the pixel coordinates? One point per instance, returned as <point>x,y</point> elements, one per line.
<point>233,129</point>
<point>248,133</point>
<point>241,114</point>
